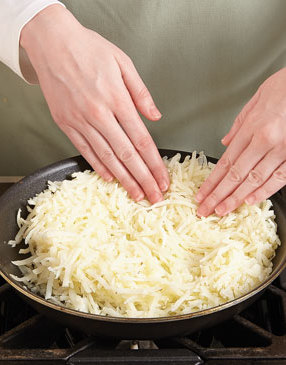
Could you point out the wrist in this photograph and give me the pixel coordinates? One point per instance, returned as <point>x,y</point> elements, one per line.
<point>49,23</point>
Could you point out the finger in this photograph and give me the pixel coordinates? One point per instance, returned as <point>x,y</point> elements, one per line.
<point>240,119</point>
<point>233,130</point>
<point>272,185</point>
<point>142,141</point>
<point>83,146</point>
<point>138,91</point>
<point>105,154</point>
<point>125,152</point>
<point>256,178</point>
<point>234,177</point>
<point>238,144</point>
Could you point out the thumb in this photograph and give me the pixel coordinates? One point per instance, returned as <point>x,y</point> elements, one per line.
<point>233,130</point>
<point>239,120</point>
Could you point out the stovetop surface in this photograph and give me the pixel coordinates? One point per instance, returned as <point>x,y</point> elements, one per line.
<point>256,336</point>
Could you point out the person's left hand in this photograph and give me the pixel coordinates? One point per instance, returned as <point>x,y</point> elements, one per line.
<point>253,167</point>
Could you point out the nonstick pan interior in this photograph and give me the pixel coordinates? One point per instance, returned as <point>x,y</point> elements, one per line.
<point>16,197</point>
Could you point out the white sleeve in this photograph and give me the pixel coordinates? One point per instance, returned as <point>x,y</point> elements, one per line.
<point>14,14</point>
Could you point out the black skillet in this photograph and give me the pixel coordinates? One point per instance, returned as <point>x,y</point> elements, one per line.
<point>129,328</point>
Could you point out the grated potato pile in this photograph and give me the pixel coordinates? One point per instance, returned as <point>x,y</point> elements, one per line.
<point>95,250</point>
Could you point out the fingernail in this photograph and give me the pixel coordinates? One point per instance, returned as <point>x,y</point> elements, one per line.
<point>164,185</point>
<point>155,112</point>
<point>139,197</point>
<point>250,200</point>
<point>199,197</point>
<point>156,197</point>
<point>107,178</point>
<point>220,211</point>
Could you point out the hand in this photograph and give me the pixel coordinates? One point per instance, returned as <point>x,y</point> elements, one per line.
<point>253,167</point>
<point>93,92</point>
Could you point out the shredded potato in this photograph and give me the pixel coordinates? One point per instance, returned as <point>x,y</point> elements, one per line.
<point>95,250</point>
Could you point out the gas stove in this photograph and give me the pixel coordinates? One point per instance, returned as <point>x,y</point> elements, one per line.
<point>256,336</point>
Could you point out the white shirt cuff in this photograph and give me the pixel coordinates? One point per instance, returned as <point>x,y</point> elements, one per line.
<point>14,15</point>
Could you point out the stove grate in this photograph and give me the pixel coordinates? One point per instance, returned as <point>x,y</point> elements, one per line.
<point>257,335</point>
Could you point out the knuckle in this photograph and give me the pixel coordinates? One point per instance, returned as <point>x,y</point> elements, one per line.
<point>99,168</point>
<point>126,155</point>
<point>97,111</point>
<point>239,119</point>
<point>234,175</point>
<point>255,178</point>
<point>119,103</point>
<point>280,174</point>
<point>84,148</point>
<point>269,135</point>
<point>79,125</point>
<point>262,193</point>
<point>75,114</point>
<point>147,182</point>
<point>122,56</point>
<point>106,155</point>
<point>143,143</point>
<point>126,182</point>
<point>224,163</point>
<point>129,184</point>
<point>143,93</point>
<point>125,61</point>
<point>212,199</point>
<point>234,200</point>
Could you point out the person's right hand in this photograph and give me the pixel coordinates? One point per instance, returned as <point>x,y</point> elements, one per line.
<point>93,92</point>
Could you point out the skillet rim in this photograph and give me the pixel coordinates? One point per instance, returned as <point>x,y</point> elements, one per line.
<point>77,160</point>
